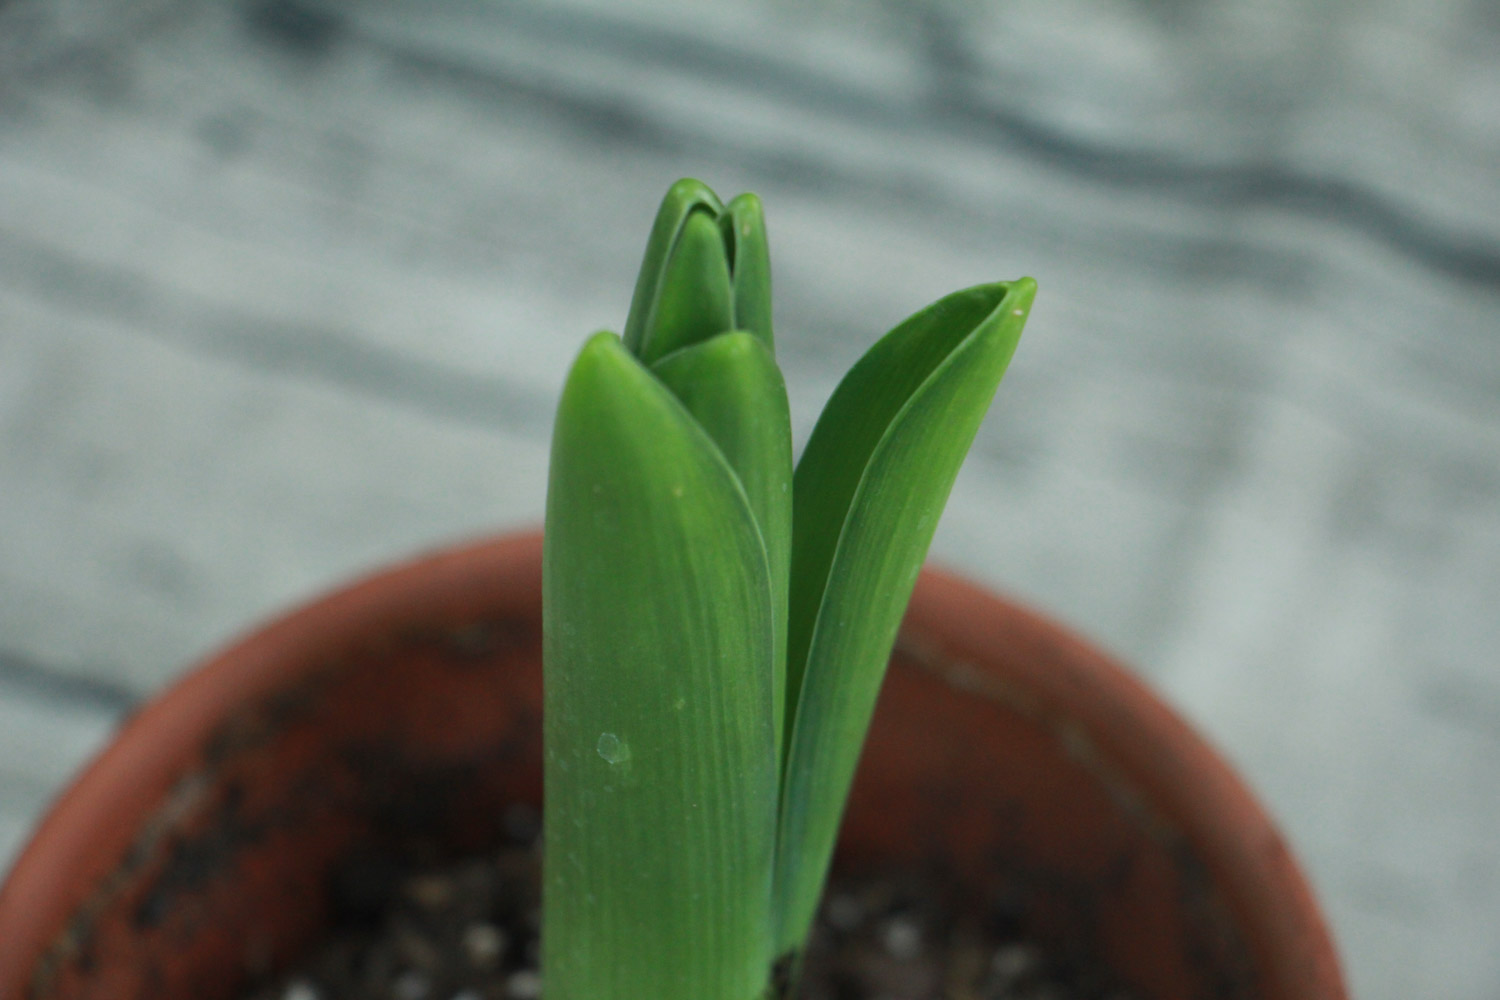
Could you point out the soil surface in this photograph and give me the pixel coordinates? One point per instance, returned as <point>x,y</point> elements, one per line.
<point>469,931</point>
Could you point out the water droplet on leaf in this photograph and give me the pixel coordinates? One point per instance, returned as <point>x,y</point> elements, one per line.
<point>613,749</point>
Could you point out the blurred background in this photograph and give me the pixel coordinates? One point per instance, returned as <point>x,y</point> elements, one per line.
<point>288,287</point>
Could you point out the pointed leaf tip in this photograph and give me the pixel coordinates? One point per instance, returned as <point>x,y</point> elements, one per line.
<point>682,199</point>
<point>694,295</point>
<point>750,265</point>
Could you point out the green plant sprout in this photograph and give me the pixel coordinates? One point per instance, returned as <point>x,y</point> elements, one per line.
<point>717,626</point>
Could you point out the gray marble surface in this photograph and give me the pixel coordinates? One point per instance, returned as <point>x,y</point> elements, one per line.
<point>287,290</point>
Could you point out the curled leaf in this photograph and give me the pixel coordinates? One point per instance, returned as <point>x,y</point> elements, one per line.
<point>660,744</point>
<point>682,199</point>
<point>744,228</point>
<point>694,299</point>
<point>732,387</point>
<point>870,487</point>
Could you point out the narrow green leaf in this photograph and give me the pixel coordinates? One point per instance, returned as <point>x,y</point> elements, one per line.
<point>683,198</point>
<point>660,754</point>
<point>695,299</point>
<point>732,387</point>
<point>870,486</point>
<point>744,227</point>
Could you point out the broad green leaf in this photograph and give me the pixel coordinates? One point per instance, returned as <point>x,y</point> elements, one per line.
<point>870,486</point>
<point>660,765</point>
<point>684,198</point>
<point>732,387</point>
<point>694,300</point>
<point>749,266</point>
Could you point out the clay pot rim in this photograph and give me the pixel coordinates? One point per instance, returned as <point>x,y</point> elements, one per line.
<point>1074,685</point>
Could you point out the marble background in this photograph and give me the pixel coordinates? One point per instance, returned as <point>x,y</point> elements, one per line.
<point>287,290</point>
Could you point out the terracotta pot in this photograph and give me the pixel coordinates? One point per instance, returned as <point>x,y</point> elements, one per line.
<point>403,712</point>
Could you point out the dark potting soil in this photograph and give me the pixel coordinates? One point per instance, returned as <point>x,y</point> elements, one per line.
<point>469,931</point>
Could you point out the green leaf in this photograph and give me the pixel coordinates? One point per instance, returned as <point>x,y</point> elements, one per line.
<point>732,387</point>
<point>683,198</point>
<point>694,300</point>
<point>744,228</point>
<point>660,748</point>
<point>870,486</point>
